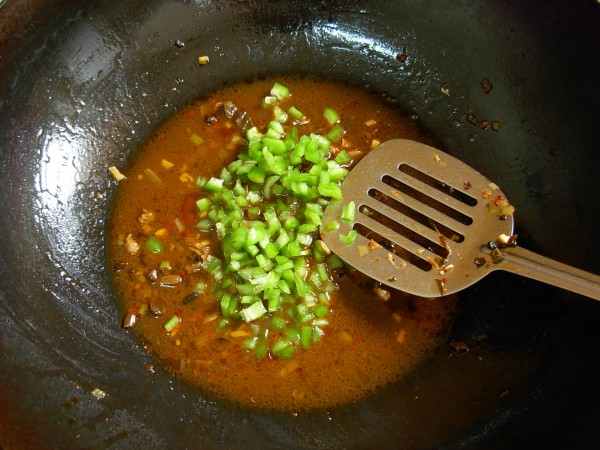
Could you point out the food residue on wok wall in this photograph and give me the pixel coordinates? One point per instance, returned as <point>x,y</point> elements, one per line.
<point>216,253</point>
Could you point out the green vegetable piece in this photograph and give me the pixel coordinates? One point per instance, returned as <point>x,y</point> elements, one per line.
<point>250,343</point>
<point>335,133</point>
<point>280,91</point>
<point>331,190</point>
<point>283,348</point>
<point>348,239</point>
<point>275,146</point>
<point>269,100</point>
<point>335,171</point>
<point>253,312</point>
<point>295,112</point>
<point>312,152</point>
<point>332,225</point>
<point>257,175</point>
<point>343,157</point>
<point>205,225</point>
<point>287,353</point>
<point>331,116</point>
<point>200,182</point>
<point>321,310</point>
<point>261,350</point>
<point>348,211</point>
<point>253,135</point>
<point>279,114</point>
<point>203,204</point>
<point>172,323</point>
<point>214,185</point>
<point>154,245</point>
<point>305,336</point>
<point>279,323</point>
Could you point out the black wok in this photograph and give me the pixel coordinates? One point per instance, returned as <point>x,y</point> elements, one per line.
<point>83,83</point>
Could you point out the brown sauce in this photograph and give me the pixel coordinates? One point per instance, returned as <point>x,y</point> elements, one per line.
<point>367,344</point>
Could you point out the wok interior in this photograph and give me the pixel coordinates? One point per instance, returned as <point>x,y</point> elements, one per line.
<point>82,94</point>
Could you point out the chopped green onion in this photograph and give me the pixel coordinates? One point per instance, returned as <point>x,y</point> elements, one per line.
<point>295,112</point>
<point>203,204</point>
<point>279,114</point>
<point>154,244</point>
<point>253,312</point>
<point>332,225</point>
<point>196,139</point>
<point>172,323</point>
<point>331,116</point>
<point>349,238</point>
<point>335,133</point>
<point>343,157</point>
<point>205,225</point>
<point>213,185</point>
<point>348,211</point>
<point>305,336</point>
<point>280,91</point>
<point>256,174</point>
<point>269,100</point>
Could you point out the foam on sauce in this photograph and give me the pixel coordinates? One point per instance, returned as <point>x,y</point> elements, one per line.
<point>367,344</point>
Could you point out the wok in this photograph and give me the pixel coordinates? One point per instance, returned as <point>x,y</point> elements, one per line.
<point>83,83</point>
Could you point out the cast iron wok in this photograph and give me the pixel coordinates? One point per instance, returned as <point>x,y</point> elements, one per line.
<point>83,83</point>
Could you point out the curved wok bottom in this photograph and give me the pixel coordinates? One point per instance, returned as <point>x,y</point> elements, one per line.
<point>93,80</point>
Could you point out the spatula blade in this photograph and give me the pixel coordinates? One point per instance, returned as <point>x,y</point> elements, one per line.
<point>422,217</point>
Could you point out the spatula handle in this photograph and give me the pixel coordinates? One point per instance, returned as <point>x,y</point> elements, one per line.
<point>529,264</point>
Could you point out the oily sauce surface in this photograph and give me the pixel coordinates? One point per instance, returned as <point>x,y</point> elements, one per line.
<point>368,342</point>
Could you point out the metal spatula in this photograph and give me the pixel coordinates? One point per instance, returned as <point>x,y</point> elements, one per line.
<point>429,225</point>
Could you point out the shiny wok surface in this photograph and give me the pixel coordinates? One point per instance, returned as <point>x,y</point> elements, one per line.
<point>84,83</point>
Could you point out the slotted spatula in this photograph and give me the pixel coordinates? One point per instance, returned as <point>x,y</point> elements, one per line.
<point>430,225</point>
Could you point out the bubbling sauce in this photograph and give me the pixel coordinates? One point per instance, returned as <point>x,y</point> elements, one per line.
<point>368,342</point>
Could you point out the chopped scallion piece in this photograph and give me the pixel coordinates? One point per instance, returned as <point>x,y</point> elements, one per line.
<point>203,204</point>
<point>172,323</point>
<point>343,157</point>
<point>349,238</point>
<point>335,133</point>
<point>154,244</point>
<point>331,116</point>
<point>213,185</point>
<point>253,312</point>
<point>295,112</point>
<point>280,91</point>
<point>348,211</point>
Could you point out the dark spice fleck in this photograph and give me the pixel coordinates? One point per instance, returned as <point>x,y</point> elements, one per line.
<point>129,321</point>
<point>479,261</point>
<point>483,124</point>
<point>119,266</point>
<point>458,348</point>
<point>190,298</point>
<point>471,118</point>
<point>210,120</point>
<point>497,256</point>
<point>467,185</point>
<point>402,57</point>
<point>486,85</point>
